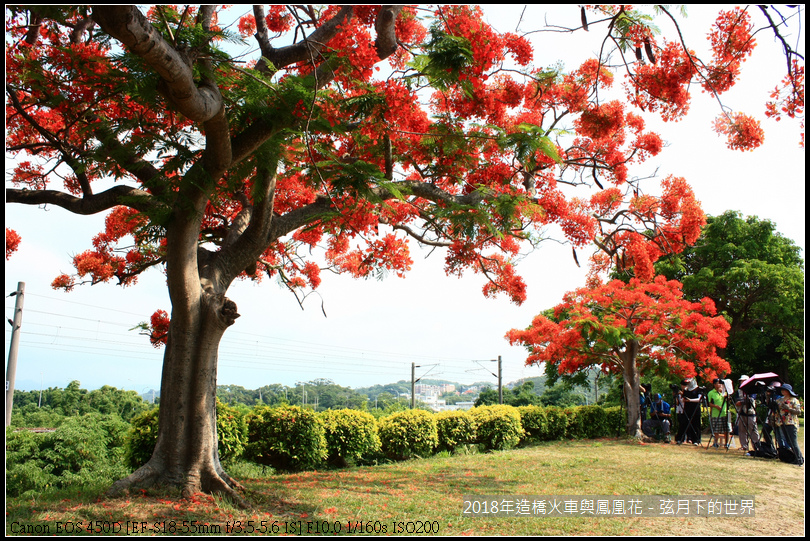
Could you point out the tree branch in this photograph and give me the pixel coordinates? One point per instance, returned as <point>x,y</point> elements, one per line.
<point>128,25</point>
<point>298,52</point>
<point>92,204</point>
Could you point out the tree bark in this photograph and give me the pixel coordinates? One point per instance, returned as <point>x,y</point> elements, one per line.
<point>186,454</point>
<point>632,387</point>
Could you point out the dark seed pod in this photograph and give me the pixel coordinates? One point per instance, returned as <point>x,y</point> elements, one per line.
<point>584,18</point>
<point>648,50</point>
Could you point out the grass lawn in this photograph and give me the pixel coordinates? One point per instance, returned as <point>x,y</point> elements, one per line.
<point>384,499</point>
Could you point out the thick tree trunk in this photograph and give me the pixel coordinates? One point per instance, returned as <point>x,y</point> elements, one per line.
<point>632,387</point>
<point>186,454</point>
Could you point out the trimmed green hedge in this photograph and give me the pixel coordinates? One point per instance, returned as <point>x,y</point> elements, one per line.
<point>455,428</point>
<point>497,427</point>
<point>93,449</point>
<point>581,422</point>
<point>408,434</point>
<point>286,437</point>
<point>351,435</point>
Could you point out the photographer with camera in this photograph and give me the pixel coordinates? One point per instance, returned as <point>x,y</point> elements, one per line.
<point>789,408</point>
<point>771,429</point>
<point>718,412</point>
<point>746,418</point>
<point>660,415</point>
<point>692,395</point>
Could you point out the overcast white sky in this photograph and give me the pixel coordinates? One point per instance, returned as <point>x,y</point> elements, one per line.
<point>376,329</point>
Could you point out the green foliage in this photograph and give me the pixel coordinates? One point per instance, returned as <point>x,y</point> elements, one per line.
<point>455,428</point>
<point>408,434</point>
<point>497,427</point>
<point>444,59</point>
<point>581,422</point>
<point>73,400</point>
<point>755,277</point>
<point>142,438</point>
<point>143,433</point>
<point>557,423</point>
<point>32,416</point>
<point>616,420</point>
<point>82,450</point>
<point>534,422</point>
<point>286,437</point>
<point>587,422</point>
<point>522,395</point>
<point>350,435</point>
<point>231,432</point>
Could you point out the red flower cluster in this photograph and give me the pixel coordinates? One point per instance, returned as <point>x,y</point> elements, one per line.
<point>743,132</point>
<point>12,242</point>
<point>592,325</point>
<point>732,42</point>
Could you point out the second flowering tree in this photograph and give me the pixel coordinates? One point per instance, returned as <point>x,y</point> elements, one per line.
<point>630,329</point>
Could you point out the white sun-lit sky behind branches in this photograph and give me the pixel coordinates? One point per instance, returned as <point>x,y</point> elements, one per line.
<point>376,329</point>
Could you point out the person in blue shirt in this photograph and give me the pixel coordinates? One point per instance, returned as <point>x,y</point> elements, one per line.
<point>660,417</point>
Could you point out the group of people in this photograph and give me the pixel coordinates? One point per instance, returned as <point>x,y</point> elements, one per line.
<point>781,421</point>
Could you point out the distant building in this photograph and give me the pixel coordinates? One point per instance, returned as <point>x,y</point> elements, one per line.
<point>463,406</point>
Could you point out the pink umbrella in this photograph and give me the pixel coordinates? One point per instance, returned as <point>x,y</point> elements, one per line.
<point>768,378</point>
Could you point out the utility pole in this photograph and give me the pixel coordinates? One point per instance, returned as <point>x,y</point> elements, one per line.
<point>414,366</point>
<point>500,380</point>
<point>413,384</point>
<point>11,368</point>
<point>499,375</point>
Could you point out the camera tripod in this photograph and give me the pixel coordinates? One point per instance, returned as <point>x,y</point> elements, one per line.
<point>730,441</point>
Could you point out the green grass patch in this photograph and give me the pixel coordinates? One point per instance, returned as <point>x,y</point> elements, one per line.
<point>391,498</point>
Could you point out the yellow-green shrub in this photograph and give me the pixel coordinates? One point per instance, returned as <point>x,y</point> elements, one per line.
<point>408,434</point>
<point>454,428</point>
<point>350,435</point>
<point>285,437</point>
<point>497,427</point>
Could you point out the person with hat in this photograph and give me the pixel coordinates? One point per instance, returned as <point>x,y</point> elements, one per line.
<point>789,409</point>
<point>660,415</point>
<point>718,412</point>
<point>691,397</point>
<point>746,418</point>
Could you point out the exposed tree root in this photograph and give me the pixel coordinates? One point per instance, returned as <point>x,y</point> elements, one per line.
<point>209,481</point>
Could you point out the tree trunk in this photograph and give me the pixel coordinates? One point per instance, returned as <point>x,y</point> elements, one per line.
<point>632,387</point>
<point>186,454</point>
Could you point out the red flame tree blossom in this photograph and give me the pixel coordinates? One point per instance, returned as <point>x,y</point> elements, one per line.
<point>632,329</point>
<point>372,126</point>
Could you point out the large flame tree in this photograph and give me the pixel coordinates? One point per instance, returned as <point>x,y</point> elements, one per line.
<point>352,128</point>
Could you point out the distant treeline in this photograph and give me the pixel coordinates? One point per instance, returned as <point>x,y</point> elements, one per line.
<point>47,408</point>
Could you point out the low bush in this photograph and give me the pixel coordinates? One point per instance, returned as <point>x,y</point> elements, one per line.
<point>81,451</point>
<point>557,423</point>
<point>231,432</point>
<point>497,427</point>
<point>286,437</point>
<point>535,423</point>
<point>454,428</point>
<point>142,438</point>
<point>351,435</point>
<point>616,421</point>
<point>408,434</point>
